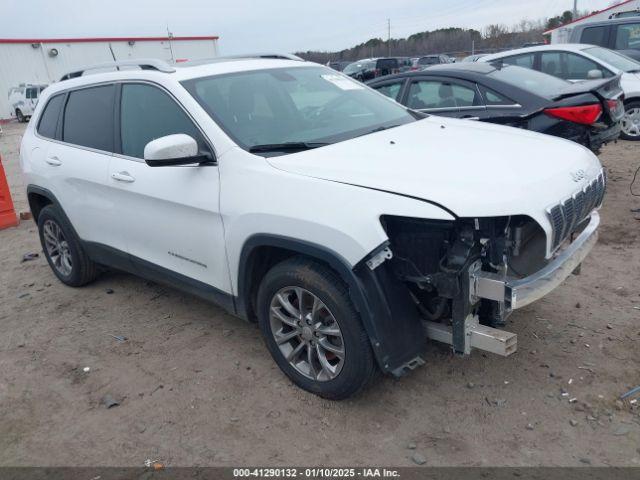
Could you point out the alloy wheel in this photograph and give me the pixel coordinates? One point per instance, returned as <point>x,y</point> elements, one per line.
<point>57,247</point>
<point>307,333</point>
<point>631,122</point>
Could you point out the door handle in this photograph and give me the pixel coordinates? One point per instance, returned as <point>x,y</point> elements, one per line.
<point>53,161</point>
<point>123,177</point>
<point>470,118</point>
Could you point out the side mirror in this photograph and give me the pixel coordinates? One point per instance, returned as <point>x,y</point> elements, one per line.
<point>594,74</point>
<point>174,150</point>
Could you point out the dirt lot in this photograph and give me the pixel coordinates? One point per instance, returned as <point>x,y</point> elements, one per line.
<point>197,387</point>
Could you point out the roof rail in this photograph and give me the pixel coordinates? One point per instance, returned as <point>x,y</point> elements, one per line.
<point>247,56</point>
<point>142,63</point>
<point>275,56</point>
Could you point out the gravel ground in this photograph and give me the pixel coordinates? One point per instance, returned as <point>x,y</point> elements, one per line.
<point>196,386</point>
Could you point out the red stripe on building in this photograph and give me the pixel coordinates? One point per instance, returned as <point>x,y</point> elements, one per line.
<point>103,39</point>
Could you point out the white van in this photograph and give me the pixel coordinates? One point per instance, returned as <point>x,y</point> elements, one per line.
<point>23,100</point>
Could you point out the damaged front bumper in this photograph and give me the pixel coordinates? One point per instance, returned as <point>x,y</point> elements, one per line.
<point>517,293</point>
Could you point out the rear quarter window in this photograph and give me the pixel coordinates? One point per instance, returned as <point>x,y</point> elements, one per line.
<point>88,118</point>
<point>48,124</point>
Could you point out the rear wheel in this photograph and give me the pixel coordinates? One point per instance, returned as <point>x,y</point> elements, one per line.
<point>631,122</point>
<point>20,116</point>
<point>313,331</point>
<point>63,250</point>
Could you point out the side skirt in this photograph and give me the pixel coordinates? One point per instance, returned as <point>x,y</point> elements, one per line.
<point>119,260</point>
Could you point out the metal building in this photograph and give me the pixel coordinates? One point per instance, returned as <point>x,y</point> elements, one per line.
<point>561,34</point>
<point>44,61</point>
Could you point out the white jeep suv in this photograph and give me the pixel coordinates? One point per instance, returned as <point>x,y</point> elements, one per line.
<point>349,227</point>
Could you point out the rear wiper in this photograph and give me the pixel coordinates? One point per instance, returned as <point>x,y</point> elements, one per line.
<point>283,147</point>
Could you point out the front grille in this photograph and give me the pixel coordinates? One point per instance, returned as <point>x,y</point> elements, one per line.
<point>567,215</point>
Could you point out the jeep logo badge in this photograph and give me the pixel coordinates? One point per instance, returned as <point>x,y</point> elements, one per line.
<point>578,175</point>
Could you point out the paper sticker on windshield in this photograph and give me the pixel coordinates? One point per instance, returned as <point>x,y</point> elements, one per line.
<point>343,83</point>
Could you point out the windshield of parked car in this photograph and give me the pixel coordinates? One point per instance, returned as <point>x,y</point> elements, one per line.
<point>527,79</point>
<point>614,59</point>
<point>310,105</point>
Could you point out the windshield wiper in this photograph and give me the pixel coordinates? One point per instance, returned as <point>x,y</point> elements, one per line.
<point>283,147</point>
<point>635,70</point>
<point>378,129</point>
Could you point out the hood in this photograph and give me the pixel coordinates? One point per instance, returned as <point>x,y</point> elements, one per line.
<point>473,169</point>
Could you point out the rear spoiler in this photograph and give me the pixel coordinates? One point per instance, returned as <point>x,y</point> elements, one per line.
<point>605,88</point>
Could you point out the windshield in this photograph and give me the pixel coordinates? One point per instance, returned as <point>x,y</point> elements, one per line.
<point>312,105</point>
<point>614,59</point>
<point>536,82</point>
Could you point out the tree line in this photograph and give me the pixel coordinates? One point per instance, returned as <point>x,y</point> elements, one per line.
<point>453,41</point>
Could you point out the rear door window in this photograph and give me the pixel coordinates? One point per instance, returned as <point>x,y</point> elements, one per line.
<point>88,118</point>
<point>429,94</point>
<point>148,113</point>
<point>551,63</point>
<point>595,36</point>
<point>525,60</point>
<point>391,90</point>
<point>628,36</point>
<point>48,124</point>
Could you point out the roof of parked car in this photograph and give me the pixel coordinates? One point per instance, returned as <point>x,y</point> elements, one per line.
<point>571,47</point>
<point>446,69</point>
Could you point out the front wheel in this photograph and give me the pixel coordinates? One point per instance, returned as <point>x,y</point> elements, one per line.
<point>631,122</point>
<point>312,330</point>
<point>20,116</point>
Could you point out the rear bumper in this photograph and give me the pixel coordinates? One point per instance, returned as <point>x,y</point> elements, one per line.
<point>597,137</point>
<point>517,293</point>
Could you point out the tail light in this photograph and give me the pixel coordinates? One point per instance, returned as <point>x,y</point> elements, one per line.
<point>612,104</point>
<point>585,114</point>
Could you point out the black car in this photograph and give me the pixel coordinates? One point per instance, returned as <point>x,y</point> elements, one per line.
<point>370,68</point>
<point>428,60</point>
<point>587,112</point>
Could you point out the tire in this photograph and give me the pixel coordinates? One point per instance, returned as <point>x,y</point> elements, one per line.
<point>71,265</point>
<point>631,125</point>
<point>342,364</point>
<point>20,116</point>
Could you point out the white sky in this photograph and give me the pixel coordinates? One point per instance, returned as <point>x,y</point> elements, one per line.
<point>267,25</point>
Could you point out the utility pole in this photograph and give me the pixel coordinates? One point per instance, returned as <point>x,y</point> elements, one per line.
<point>575,9</point>
<point>388,37</point>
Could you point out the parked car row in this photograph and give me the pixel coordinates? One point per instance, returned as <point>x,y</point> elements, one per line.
<point>370,68</point>
<point>579,62</point>
<point>588,113</point>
